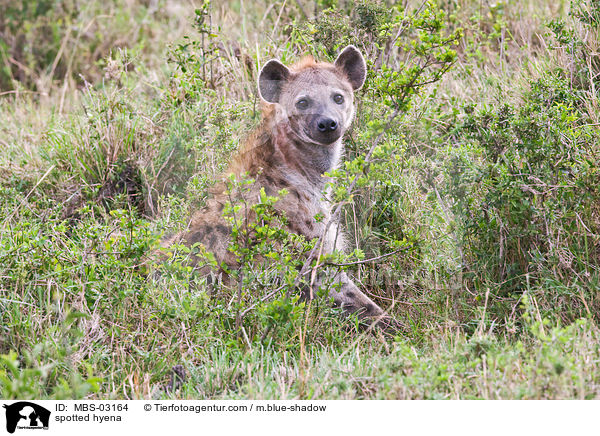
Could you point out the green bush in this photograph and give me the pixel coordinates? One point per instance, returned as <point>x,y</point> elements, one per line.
<point>529,206</point>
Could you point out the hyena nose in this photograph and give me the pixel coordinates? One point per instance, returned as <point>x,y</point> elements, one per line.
<point>326,125</point>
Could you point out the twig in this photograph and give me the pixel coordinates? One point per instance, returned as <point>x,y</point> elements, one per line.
<point>60,52</point>
<point>362,262</point>
<point>333,218</point>
<point>18,91</point>
<point>263,299</point>
<point>401,31</point>
<point>302,9</point>
<point>279,17</point>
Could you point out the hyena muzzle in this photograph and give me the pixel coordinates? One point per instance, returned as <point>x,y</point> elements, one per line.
<point>307,110</point>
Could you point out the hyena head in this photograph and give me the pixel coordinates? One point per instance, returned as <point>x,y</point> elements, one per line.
<point>315,99</point>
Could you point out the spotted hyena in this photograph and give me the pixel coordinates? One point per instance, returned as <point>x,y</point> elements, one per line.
<point>308,108</point>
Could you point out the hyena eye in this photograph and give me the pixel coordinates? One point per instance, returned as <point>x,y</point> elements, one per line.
<point>302,104</point>
<point>338,98</point>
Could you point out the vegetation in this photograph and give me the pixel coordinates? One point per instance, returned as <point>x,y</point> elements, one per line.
<point>470,195</point>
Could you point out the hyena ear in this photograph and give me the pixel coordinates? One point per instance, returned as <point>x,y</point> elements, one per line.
<point>351,62</point>
<point>271,79</point>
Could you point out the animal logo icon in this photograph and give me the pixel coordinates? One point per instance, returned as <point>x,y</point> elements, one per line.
<point>24,414</point>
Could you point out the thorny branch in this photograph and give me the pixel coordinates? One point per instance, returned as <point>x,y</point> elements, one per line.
<point>335,215</point>
<point>364,261</point>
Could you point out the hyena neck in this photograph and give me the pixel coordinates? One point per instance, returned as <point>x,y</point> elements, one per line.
<point>277,153</point>
<point>308,160</point>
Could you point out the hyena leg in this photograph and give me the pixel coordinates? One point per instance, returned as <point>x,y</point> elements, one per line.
<point>347,296</point>
<point>351,299</point>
